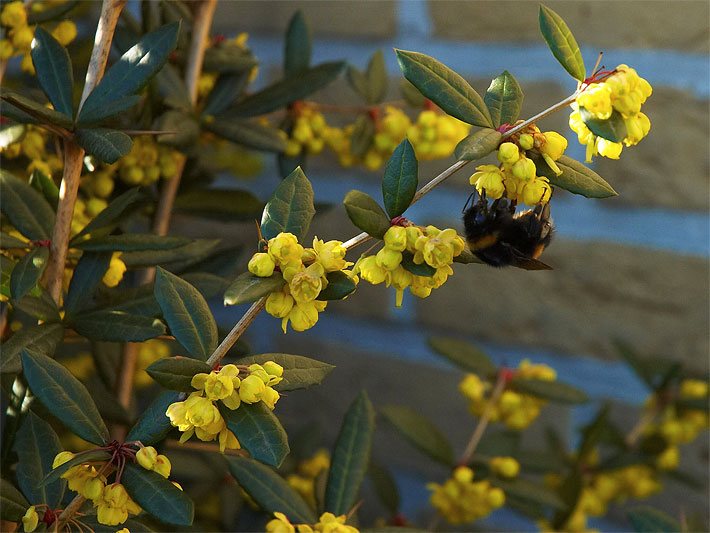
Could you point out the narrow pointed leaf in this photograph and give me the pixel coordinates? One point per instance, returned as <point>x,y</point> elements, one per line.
<point>176,373</point>
<point>290,209</point>
<point>227,88</point>
<point>366,213</point>
<point>561,42</point>
<point>249,288</point>
<point>269,490</point>
<point>37,111</point>
<point>464,355</point>
<point>220,204</point>
<point>54,70</point>
<point>36,445</point>
<point>420,432</point>
<point>131,242</point>
<point>9,242</point>
<point>358,81</point>
<point>45,185</point>
<point>26,209</point>
<point>42,338</point>
<point>400,180</point>
<point>340,285</point>
<point>178,258</point>
<point>111,109</point>
<point>109,217</point>
<point>362,136</point>
<point>376,78</point>
<point>351,457</point>
<point>575,177</point>
<point>87,275</point>
<point>248,133</point>
<point>153,424</point>
<point>107,145</point>
<point>28,271</point>
<point>187,314</point>
<point>116,326</point>
<point>612,129</point>
<point>297,53</point>
<point>385,487</point>
<point>478,145</point>
<point>259,432</point>
<point>299,372</point>
<point>444,87</point>
<point>158,496</point>
<point>42,307</point>
<point>64,396</point>
<point>13,504</point>
<point>553,391</point>
<point>504,99</point>
<point>645,519</point>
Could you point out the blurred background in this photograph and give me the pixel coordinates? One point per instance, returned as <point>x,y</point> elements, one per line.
<point>634,267</point>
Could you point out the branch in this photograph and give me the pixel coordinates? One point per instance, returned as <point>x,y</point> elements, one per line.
<point>239,328</point>
<point>483,421</point>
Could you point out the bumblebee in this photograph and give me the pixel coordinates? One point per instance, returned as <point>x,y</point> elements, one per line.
<point>500,237</point>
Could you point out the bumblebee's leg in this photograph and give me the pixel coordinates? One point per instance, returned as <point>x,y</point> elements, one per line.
<point>469,200</point>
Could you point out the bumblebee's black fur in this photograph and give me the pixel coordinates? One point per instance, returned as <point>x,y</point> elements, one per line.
<point>499,237</point>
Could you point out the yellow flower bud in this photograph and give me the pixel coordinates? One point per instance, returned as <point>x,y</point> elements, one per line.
<point>262,265</point>
<point>65,32</point>
<point>608,149</point>
<point>396,238</point>
<point>285,249</point>
<point>526,141</point>
<point>505,466</point>
<point>251,388</point>
<point>280,524</point>
<point>147,457</point>
<point>508,153</point>
<point>495,498</point>
<point>554,145</point>
<point>279,304</point>
<point>273,369</point>
<point>162,466</point>
<point>30,520</point>
<point>463,474</point>
<point>488,180</point>
<point>388,259</point>
<point>22,37</point>
<point>669,459</point>
<point>331,255</point>
<point>13,14</point>
<point>61,458</point>
<point>270,396</point>
<point>537,191</point>
<point>524,169</point>
<point>370,271</point>
<point>115,272</point>
<point>637,127</point>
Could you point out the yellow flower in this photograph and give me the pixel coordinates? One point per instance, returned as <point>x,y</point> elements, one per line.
<point>439,250</point>
<point>305,283</point>
<point>608,149</point>
<point>147,457</point>
<point>508,153</point>
<point>274,370</point>
<point>329,523</point>
<point>400,279</point>
<point>388,259</point>
<point>554,145</point>
<point>303,315</point>
<point>112,507</point>
<point>270,396</point>
<point>22,37</point>
<point>65,32</point>
<point>505,466</point>
<point>524,169</point>
<point>30,520</point>
<point>262,265</point>
<point>61,458</point>
<point>115,272</point>
<point>489,180</point>
<point>280,524</point>
<point>637,127</point>
<point>218,385</point>
<point>13,14</point>
<point>669,459</point>
<point>537,191</point>
<point>284,249</point>
<point>396,238</point>
<point>596,99</point>
<point>251,388</point>
<point>331,255</point>
<point>370,271</point>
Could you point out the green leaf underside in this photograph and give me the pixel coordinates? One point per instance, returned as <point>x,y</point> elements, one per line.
<point>249,288</point>
<point>575,177</point>
<point>295,86</point>
<point>259,432</point>
<point>418,269</point>
<point>233,205</point>
<point>153,425</point>
<point>290,209</point>
<point>12,503</point>
<point>366,213</point>
<point>187,314</point>
<point>36,110</point>
<point>464,355</point>
<point>117,326</point>
<point>64,396</point>
<point>299,372</point>
<point>42,338</point>
<point>28,271</point>
<point>297,54</point>
<point>54,70</point>
<point>247,133</point>
<point>385,486</point>
<point>645,519</point>
<point>26,208</point>
<point>131,242</point>
<point>36,445</point>
<point>270,490</point>
<point>181,256</point>
<point>340,285</point>
<point>612,129</point>
<point>561,42</point>
<point>553,391</point>
<point>444,87</point>
<point>107,145</point>
<point>158,496</point>
<point>113,212</point>
<point>87,275</point>
<point>176,373</point>
<point>504,98</point>
<point>478,145</point>
<point>135,68</point>
<point>351,456</point>
<point>420,432</point>
<point>400,180</point>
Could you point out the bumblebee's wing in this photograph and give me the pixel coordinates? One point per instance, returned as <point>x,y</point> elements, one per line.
<point>526,263</point>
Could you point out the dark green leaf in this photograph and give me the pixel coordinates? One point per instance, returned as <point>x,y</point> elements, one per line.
<point>575,177</point>
<point>358,81</point>
<point>183,255</point>
<point>464,355</point>
<point>7,265</point>
<point>12,503</point>
<point>385,487</point>
<point>297,53</point>
<point>376,78</point>
<point>158,496</point>
<point>270,491</point>
<point>504,98</point>
<point>562,43</point>
<point>366,213</point>
<point>28,271</point>
<point>153,425</point>
<point>183,127</point>
<point>299,372</point>
<point>420,432</point>
<point>362,135</point>
<point>187,314</point>
<point>93,456</point>
<point>50,13</point>
<point>227,204</point>
<point>532,492</point>
<point>87,275</point>
<point>400,180</point>
<point>477,145</point>
<point>411,94</point>
<point>106,145</point>
<point>176,373</point>
<point>294,87</point>
<point>569,491</point>
<point>444,87</point>
<point>26,209</point>
<point>645,519</point>
<point>226,89</point>
<point>41,307</point>
<point>45,185</point>
<point>553,391</point>
<point>36,445</point>
<point>135,68</point>
<point>8,242</point>
<point>172,87</point>
<point>290,209</point>
<point>64,396</point>
<point>111,109</point>
<point>34,109</point>
<point>131,242</point>
<point>228,59</point>
<point>54,70</point>
<point>593,432</point>
<point>418,269</point>
<point>109,217</point>
<point>351,456</point>
<point>248,133</point>
<point>612,129</point>
<point>42,338</point>
<point>11,133</point>
<point>117,326</point>
<point>134,526</point>
<point>340,285</point>
<point>259,432</point>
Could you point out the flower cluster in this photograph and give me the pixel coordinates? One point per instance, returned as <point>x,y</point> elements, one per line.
<point>515,409</point>
<point>147,162</point>
<point>304,480</point>
<point>516,177</point>
<point>305,271</point>
<point>328,523</point>
<point>308,132</point>
<point>461,500</point>
<point>32,145</point>
<point>148,353</point>
<point>13,19</point>
<point>429,247</point>
<point>623,92</point>
<point>199,415</point>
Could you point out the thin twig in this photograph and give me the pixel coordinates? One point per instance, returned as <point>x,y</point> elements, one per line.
<point>202,447</point>
<point>483,421</point>
<point>68,512</point>
<point>239,328</point>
